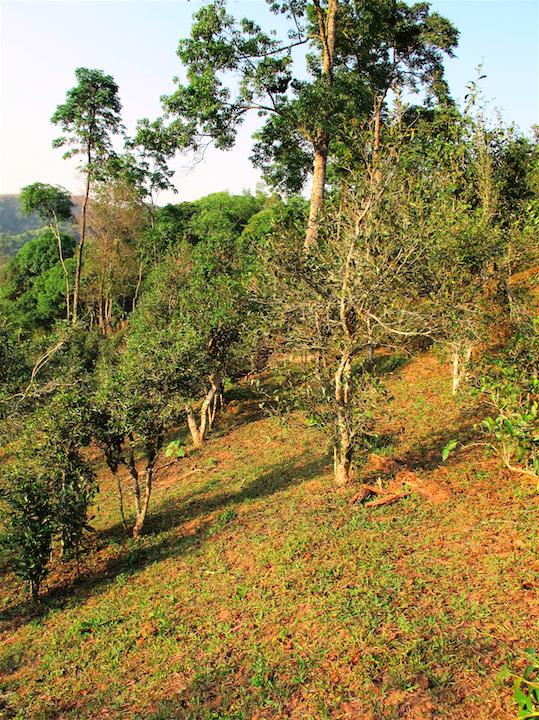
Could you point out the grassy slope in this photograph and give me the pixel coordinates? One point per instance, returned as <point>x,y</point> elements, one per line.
<point>260,592</point>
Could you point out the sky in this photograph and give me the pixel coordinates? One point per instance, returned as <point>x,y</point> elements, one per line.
<point>135,41</point>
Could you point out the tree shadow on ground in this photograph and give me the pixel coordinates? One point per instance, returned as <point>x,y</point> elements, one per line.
<point>159,543</point>
<point>227,690</point>
<point>428,455</point>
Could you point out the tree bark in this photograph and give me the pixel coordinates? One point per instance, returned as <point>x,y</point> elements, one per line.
<point>193,427</point>
<point>56,230</point>
<point>133,472</point>
<point>142,504</point>
<point>317,192</point>
<point>326,26</point>
<point>137,288</point>
<point>343,441</point>
<point>143,511</point>
<point>208,411</point>
<point>121,499</point>
<point>78,269</point>
<point>460,360</point>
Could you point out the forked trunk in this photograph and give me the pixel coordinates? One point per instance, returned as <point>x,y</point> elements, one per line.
<point>143,510</point>
<point>142,503</point>
<point>208,411</point>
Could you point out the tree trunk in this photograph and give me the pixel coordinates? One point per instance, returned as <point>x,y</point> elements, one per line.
<point>142,504</point>
<point>326,27</point>
<point>108,312</point>
<point>342,451</point>
<point>133,472</point>
<point>121,499</point>
<point>207,411</point>
<point>100,304</point>
<point>78,269</point>
<point>378,102</point>
<point>143,511</point>
<point>139,282</point>
<point>193,427</point>
<point>56,230</point>
<point>342,470</point>
<point>461,358</point>
<point>377,127</point>
<point>317,192</point>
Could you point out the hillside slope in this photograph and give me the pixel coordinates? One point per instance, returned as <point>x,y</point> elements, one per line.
<point>261,592</point>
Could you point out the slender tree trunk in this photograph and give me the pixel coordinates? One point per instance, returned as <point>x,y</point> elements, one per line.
<point>80,249</point>
<point>343,441</point>
<point>108,312</point>
<point>143,511</point>
<point>100,304</point>
<point>193,427</point>
<point>377,127</point>
<point>121,499</point>
<point>137,288</point>
<point>56,230</point>
<point>133,472</point>
<point>217,403</point>
<point>460,358</point>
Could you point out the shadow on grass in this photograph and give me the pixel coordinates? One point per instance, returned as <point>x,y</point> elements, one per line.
<point>159,543</point>
<point>428,456</point>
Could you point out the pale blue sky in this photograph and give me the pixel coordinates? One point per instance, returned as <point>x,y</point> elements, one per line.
<point>42,43</point>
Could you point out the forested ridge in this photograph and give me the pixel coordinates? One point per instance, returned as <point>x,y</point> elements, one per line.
<point>276,454</point>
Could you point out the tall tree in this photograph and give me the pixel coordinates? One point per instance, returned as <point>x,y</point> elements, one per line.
<point>88,118</point>
<point>53,205</point>
<point>358,51</point>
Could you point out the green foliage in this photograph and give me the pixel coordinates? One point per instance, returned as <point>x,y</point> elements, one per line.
<point>63,427</point>
<point>510,386</point>
<point>49,490</point>
<point>90,114</point>
<point>448,449</point>
<point>175,449</point>
<point>36,257</point>
<point>11,244</point>
<point>51,203</point>
<point>32,291</point>
<point>30,524</point>
<point>13,368</point>
<point>525,686</point>
<point>379,45</point>
<point>12,221</point>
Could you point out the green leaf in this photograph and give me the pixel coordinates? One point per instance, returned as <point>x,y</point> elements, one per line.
<point>448,449</point>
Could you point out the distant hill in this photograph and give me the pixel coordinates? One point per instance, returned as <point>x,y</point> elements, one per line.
<point>12,221</point>
<point>15,228</point>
